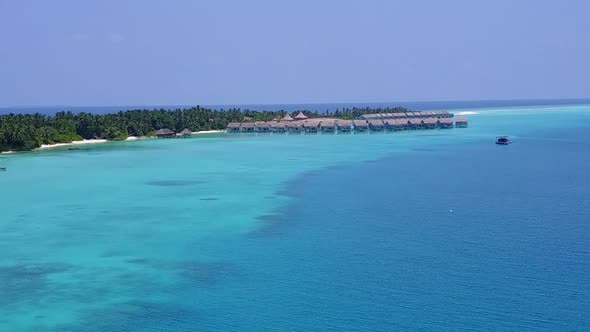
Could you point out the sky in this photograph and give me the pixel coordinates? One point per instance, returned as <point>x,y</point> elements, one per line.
<point>138,52</point>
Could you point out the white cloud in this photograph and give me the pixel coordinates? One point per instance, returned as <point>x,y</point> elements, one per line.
<point>79,37</point>
<point>116,37</point>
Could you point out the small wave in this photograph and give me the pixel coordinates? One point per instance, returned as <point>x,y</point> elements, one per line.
<point>467,113</point>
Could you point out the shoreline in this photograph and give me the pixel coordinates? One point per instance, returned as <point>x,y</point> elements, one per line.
<point>82,142</point>
<point>100,141</point>
<point>208,132</point>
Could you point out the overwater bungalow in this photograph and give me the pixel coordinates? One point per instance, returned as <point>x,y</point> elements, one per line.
<point>443,114</point>
<point>165,133</point>
<point>401,123</point>
<point>233,127</point>
<point>344,126</point>
<point>328,126</point>
<point>445,123</point>
<point>389,124</point>
<point>360,125</point>
<point>300,116</point>
<point>294,127</point>
<point>376,125</point>
<point>415,123</point>
<point>461,123</point>
<point>311,126</point>
<point>368,116</point>
<point>262,127</point>
<point>395,124</point>
<point>430,123</point>
<point>278,127</point>
<point>247,127</point>
<point>186,133</point>
<point>374,122</point>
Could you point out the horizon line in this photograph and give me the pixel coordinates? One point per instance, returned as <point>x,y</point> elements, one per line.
<point>309,103</point>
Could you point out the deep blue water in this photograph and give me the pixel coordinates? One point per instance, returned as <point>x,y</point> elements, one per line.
<point>375,246</point>
<point>425,105</point>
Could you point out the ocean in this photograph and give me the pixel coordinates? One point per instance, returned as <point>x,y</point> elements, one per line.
<point>313,107</point>
<point>437,230</point>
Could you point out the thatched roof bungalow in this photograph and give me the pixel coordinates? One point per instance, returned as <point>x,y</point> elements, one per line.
<point>233,127</point>
<point>247,127</point>
<point>344,125</point>
<point>186,133</point>
<point>165,133</point>
<point>461,123</point>
<point>415,123</point>
<point>328,126</point>
<point>376,125</point>
<point>261,127</point>
<point>278,127</point>
<point>444,114</point>
<point>401,123</point>
<point>395,124</point>
<point>294,127</point>
<point>445,123</point>
<point>360,125</point>
<point>300,116</point>
<point>311,126</point>
<point>430,123</point>
<point>368,116</point>
<point>287,118</point>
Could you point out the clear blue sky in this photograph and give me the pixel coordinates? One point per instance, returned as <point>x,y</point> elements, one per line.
<point>116,52</point>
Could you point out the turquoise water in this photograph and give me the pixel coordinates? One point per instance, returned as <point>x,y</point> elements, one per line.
<point>427,230</point>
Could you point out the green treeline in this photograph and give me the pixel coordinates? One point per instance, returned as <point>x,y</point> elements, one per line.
<point>23,132</point>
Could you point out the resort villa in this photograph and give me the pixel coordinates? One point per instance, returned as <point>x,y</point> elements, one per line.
<point>165,133</point>
<point>328,126</point>
<point>461,123</point>
<point>360,126</point>
<point>186,133</point>
<point>344,126</point>
<point>378,122</point>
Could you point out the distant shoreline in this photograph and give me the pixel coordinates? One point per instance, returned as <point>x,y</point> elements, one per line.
<point>311,106</point>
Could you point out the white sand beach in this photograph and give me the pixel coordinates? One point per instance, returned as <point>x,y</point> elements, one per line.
<point>100,141</point>
<point>135,138</point>
<point>208,132</point>
<point>82,142</point>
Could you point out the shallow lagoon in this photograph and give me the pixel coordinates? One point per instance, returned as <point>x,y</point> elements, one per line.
<point>305,232</point>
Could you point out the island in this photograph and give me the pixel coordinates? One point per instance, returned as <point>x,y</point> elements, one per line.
<point>25,132</point>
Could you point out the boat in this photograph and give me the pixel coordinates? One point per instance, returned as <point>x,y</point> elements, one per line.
<point>503,140</point>
<point>2,169</point>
